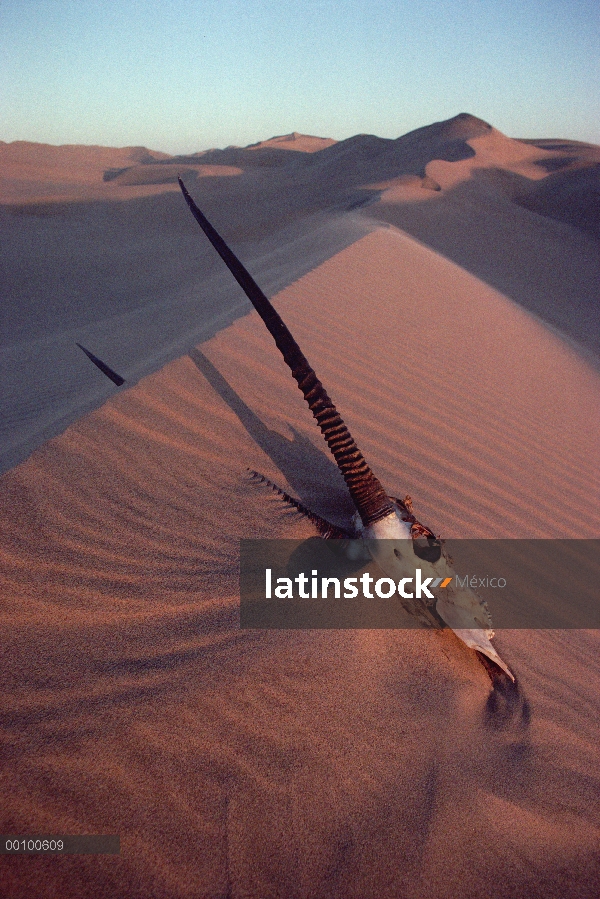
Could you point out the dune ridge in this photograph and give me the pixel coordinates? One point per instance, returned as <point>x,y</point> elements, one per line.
<point>317,763</point>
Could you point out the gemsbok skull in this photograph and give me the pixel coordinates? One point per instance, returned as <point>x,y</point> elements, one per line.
<point>394,538</point>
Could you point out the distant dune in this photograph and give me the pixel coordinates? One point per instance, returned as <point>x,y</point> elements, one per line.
<point>445,287</point>
<point>302,143</point>
<point>30,172</point>
<point>33,172</point>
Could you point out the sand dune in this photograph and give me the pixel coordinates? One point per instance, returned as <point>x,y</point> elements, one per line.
<point>571,192</point>
<point>306,764</point>
<point>304,143</point>
<point>32,172</point>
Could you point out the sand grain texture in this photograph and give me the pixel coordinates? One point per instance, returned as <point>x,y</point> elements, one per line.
<point>297,764</point>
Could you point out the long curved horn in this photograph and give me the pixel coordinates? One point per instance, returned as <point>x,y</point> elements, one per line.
<point>367,493</point>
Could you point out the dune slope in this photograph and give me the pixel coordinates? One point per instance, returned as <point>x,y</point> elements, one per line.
<point>299,764</point>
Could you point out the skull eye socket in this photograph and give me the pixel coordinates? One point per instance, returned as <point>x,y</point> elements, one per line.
<point>427,548</point>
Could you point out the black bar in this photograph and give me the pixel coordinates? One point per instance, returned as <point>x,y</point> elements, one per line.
<point>540,584</point>
<point>63,844</point>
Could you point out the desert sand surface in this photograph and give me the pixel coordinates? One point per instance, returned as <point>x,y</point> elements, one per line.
<point>456,328</point>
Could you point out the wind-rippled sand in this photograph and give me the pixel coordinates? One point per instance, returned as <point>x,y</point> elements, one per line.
<point>308,764</point>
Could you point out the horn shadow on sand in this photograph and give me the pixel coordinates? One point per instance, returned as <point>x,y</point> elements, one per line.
<point>303,466</point>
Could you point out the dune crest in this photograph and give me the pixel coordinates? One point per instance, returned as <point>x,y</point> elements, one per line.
<point>455,329</point>
<point>304,143</point>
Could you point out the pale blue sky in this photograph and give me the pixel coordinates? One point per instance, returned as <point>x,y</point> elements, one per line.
<point>185,75</point>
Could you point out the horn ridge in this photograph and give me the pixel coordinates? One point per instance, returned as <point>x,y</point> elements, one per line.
<point>367,493</point>
<point>325,528</point>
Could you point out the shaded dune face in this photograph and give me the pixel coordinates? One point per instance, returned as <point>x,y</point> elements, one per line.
<point>166,174</point>
<point>369,157</point>
<point>571,196</point>
<point>275,764</point>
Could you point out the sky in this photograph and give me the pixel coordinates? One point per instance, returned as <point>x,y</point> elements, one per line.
<point>186,75</point>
